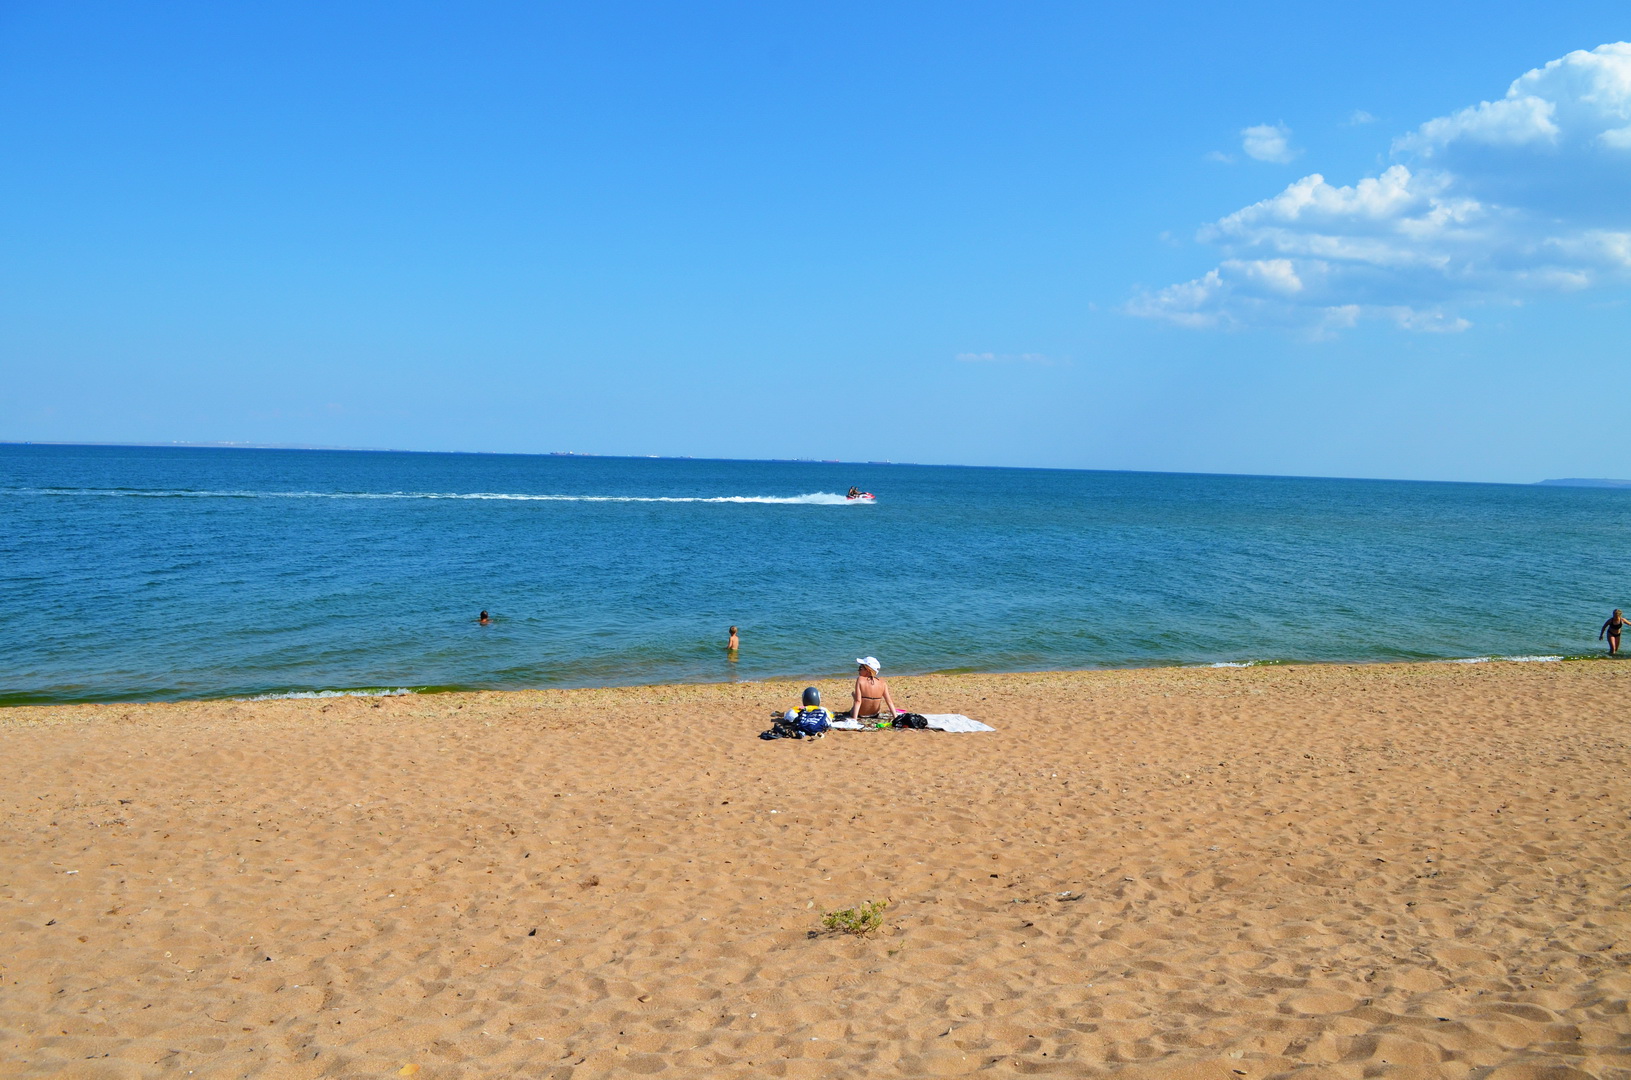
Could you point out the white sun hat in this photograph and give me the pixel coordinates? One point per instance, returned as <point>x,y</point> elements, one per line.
<point>871,662</point>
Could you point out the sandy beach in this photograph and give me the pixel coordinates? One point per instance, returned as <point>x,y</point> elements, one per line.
<point>1342,871</point>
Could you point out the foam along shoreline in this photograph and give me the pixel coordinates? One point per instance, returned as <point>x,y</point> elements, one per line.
<point>1534,659</point>
<point>1213,872</point>
<point>315,695</point>
<point>301,693</point>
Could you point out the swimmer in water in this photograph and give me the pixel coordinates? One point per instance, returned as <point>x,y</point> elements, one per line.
<point>733,642</point>
<point>1611,629</point>
<point>484,619</point>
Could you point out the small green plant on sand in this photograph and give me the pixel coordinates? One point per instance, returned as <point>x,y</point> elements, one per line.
<point>860,920</point>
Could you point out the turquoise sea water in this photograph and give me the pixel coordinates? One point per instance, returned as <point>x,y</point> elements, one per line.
<point>130,573</point>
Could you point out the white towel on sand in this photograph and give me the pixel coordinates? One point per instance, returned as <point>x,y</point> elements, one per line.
<point>955,722</point>
<point>937,722</point>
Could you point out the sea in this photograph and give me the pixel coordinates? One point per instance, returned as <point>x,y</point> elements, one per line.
<point>158,573</point>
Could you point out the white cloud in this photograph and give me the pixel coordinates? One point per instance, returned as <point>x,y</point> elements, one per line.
<point>1268,142</point>
<point>1493,203</point>
<point>1359,117</point>
<point>1583,97</point>
<point>1512,122</point>
<point>1007,358</point>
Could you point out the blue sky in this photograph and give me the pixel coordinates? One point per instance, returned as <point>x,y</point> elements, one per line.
<point>1363,240</point>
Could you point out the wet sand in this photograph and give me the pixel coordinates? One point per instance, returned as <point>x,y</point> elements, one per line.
<point>1348,872</point>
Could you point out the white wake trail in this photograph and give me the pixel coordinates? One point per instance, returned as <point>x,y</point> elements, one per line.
<point>817,498</point>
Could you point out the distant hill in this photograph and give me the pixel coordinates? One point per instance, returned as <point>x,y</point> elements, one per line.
<point>1577,482</point>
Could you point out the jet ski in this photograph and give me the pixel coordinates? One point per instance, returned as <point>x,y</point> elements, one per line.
<point>863,496</point>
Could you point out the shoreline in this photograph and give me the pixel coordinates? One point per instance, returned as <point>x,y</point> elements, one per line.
<point>330,693</point>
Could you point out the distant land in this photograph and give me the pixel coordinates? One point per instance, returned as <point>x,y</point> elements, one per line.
<point>1577,482</point>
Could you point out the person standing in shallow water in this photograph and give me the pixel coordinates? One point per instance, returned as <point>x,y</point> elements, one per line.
<point>1611,629</point>
<point>733,642</point>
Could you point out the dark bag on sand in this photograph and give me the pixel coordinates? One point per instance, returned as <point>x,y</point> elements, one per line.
<point>911,720</point>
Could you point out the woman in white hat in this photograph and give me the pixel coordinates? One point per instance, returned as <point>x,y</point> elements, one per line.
<point>871,692</point>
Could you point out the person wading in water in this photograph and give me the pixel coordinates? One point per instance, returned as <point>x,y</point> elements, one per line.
<point>1611,629</point>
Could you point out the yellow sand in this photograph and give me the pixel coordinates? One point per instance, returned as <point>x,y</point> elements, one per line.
<point>1408,871</point>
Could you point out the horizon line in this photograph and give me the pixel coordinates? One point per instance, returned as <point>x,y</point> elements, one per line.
<point>183,445</point>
